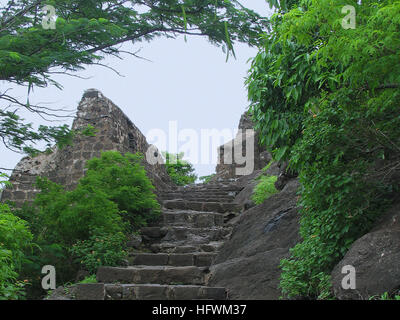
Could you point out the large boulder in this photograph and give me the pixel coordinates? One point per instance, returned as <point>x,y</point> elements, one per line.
<point>376,259</point>
<point>248,264</point>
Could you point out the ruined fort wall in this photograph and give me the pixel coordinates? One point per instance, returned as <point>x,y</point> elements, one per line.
<point>261,157</point>
<point>115,131</point>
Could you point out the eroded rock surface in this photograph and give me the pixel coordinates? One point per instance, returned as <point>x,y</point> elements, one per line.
<point>248,263</point>
<point>375,257</point>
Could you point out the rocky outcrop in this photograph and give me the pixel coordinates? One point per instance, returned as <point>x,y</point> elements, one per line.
<point>115,131</point>
<point>248,263</point>
<point>376,260</point>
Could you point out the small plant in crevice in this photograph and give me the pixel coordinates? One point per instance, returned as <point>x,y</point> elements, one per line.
<point>264,189</point>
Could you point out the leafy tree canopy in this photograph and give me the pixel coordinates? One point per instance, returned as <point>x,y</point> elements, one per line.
<point>86,31</point>
<point>326,99</point>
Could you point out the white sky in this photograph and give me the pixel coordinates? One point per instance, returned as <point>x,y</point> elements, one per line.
<point>186,82</point>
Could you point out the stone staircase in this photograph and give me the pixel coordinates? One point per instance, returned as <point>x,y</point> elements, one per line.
<point>181,248</point>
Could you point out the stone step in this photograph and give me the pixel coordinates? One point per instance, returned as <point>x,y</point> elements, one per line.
<point>194,219</point>
<point>189,275</point>
<point>220,207</point>
<point>182,247</point>
<point>182,233</point>
<point>230,194</point>
<point>163,292</point>
<point>199,199</point>
<point>208,188</point>
<point>198,259</point>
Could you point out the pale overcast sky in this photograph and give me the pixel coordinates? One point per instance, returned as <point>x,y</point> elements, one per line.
<point>188,82</point>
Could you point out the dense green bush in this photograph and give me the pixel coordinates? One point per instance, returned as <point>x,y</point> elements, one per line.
<point>180,171</point>
<point>68,216</point>
<point>115,191</point>
<point>326,99</point>
<point>15,240</point>
<point>123,180</point>
<point>100,250</point>
<point>87,227</point>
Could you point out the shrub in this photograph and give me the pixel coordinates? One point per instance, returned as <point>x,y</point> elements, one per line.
<point>180,171</point>
<point>264,189</point>
<point>68,216</point>
<point>114,198</point>
<point>15,239</point>
<point>122,179</point>
<point>207,179</point>
<point>100,250</point>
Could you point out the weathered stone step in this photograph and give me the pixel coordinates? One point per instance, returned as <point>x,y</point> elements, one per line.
<point>163,292</point>
<point>152,274</point>
<point>181,233</point>
<point>194,219</point>
<point>199,259</point>
<point>220,207</point>
<point>199,199</point>
<point>211,187</point>
<point>182,247</point>
<point>200,193</point>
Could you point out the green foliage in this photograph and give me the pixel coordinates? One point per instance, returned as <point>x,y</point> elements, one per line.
<point>264,189</point>
<point>207,179</point>
<point>4,183</point>
<point>123,180</point>
<point>326,99</point>
<point>114,198</point>
<point>20,136</point>
<point>180,171</point>
<point>15,240</point>
<point>68,216</point>
<point>89,279</point>
<point>100,250</point>
<point>114,189</point>
<point>385,296</point>
<point>265,169</point>
<point>85,33</point>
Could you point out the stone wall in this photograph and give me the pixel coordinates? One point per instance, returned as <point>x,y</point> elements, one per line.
<point>115,131</point>
<point>228,169</point>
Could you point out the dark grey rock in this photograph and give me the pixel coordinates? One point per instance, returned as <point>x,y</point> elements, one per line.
<point>90,291</point>
<point>134,241</point>
<point>248,264</point>
<point>376,259</point>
